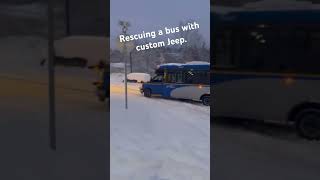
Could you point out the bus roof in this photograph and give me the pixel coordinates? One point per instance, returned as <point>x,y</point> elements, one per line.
<point>292,17</point>
<point>186,66</point>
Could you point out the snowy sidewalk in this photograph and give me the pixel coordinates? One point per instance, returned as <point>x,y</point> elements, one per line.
<point>158,139</point>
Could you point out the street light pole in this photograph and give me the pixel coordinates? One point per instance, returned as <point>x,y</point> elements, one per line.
<point>124,48</point>
<point>125,74</point>
<point>130,61</point>
<point>124,31</point>
<point>52,117</point>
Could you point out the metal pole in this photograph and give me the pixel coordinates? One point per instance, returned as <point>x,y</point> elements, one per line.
<point>125,74</point>
<point>67,11</point>
<point>125,26</point>
<point>52,120</point>
<point>130,61</point>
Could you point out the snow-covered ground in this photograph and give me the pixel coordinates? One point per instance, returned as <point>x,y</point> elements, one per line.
<point>157,139</point>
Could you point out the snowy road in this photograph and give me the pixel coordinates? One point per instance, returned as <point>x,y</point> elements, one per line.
<point>157,139</point>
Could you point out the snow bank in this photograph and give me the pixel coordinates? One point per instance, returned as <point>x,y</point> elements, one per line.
<point>139,77</point>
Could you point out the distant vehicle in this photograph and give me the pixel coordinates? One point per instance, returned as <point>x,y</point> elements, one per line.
<point>266,67</point>
<point>138,77</point>
<point>79,50</point>
<point>180,81</point>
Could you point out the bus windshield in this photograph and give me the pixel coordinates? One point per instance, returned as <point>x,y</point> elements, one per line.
<point>157,78</point>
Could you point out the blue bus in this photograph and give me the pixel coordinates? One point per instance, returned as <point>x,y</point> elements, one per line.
<point>266,67</point>
<point>189,81</point>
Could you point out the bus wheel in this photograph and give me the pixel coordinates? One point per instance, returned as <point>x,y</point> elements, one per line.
<point>147,93</point>
<point>308,123</point>
<point>205,100</point>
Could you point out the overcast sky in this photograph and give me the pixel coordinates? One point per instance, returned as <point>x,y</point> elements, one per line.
<point>151,15</point>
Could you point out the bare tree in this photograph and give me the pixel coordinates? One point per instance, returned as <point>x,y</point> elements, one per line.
<point>194,38</point>
<point>195,49</point>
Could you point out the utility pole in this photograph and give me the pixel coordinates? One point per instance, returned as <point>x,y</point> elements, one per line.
<point>130,61</point>
<point>52,113</point>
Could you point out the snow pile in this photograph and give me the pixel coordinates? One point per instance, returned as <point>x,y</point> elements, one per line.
<point>139,77</point>
<point>158,139</point>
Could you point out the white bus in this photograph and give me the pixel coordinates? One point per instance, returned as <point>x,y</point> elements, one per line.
<point>267,67</point>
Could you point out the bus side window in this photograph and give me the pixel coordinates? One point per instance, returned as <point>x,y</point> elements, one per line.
<point>171,77</point>
<point>189,77</point>
<point>197,77</point>
<point>179,77</point>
